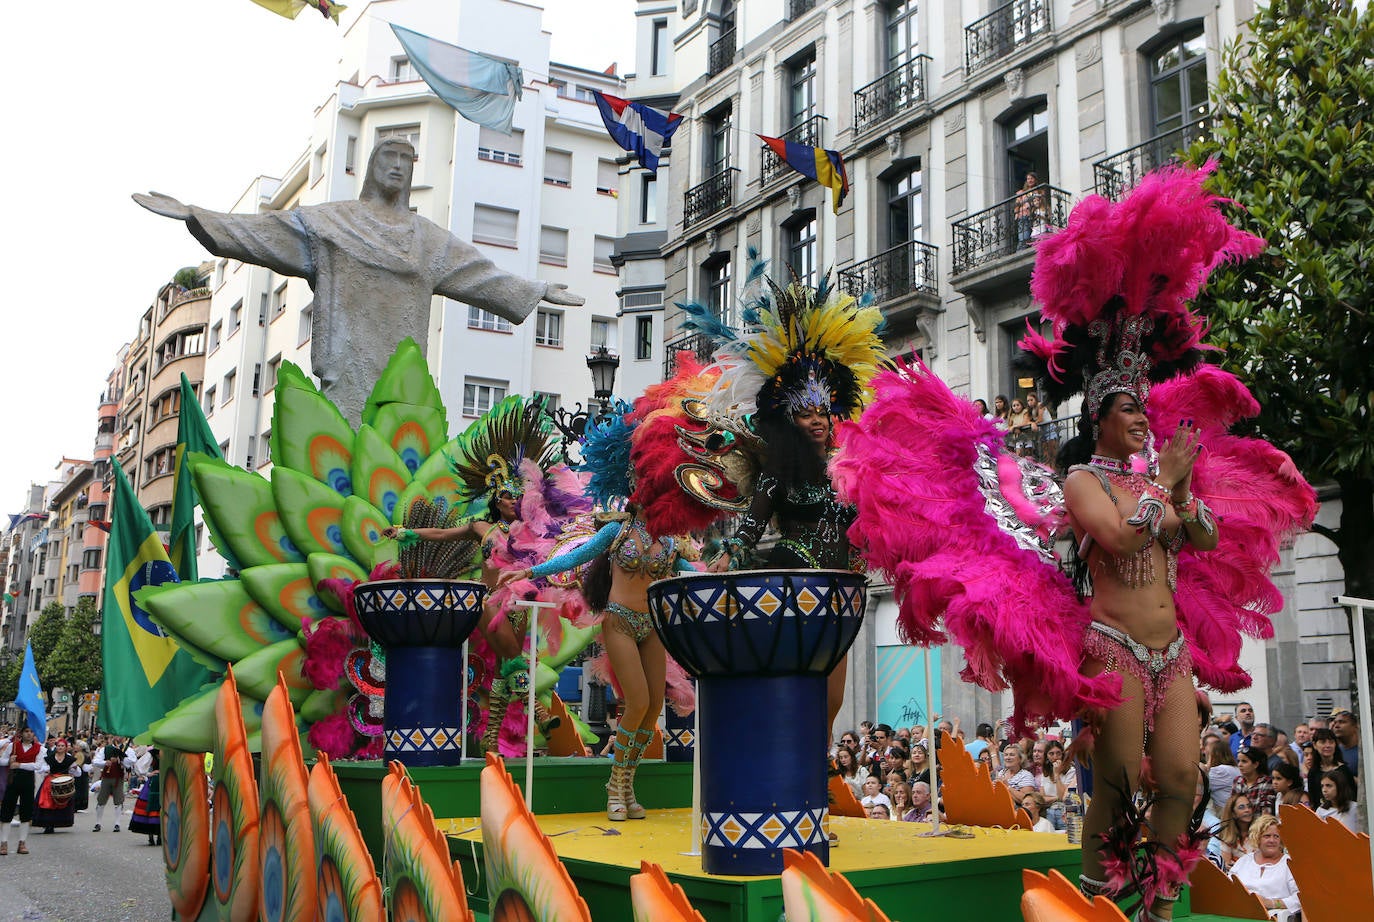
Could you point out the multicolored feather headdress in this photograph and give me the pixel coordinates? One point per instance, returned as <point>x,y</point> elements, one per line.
<point>802,348</point>
<point>1116,283</point>
<point>487,457</point>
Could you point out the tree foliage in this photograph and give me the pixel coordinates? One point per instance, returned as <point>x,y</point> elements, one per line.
<point>44,636</point>
<point>1293,138</point>
<point>75,662</point>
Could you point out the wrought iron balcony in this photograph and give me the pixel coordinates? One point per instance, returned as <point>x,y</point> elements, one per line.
<point>715,194</point>
<point>808,132</point>
<point>1007,28</point>
<point>699,344</point>
<point>905,269</point>
<point>721,53</point>
<point>900,88</point>
<point>1009,226</point>
<point>798,8</point>
<point>1115,174</point>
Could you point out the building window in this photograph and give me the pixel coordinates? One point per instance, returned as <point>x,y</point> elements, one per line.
<point>410,133</point>
<point>279,301</point>
<point>317,162</point>
<point>602,249</point>
<point>263,300</point>
<point>97,511</point>
<point>548,328</point>
<point>905,220</point>
<point>801,89</point>
<point>479,319</point>
<point>481,394</point>
<point>272,367</point>
<point>216,332</point>
<point>644,338</point>
<point>658,62</point>
<point>719,132</point>
<point>720,298</point>
<point>236,317</point>
<point>498,226</point>
<point>500,148</point>
<point>266,444</point>
<point>549,402</point>
<point>585,94</point>
<point>1178,82</point>
<point>648,199</point>
<point>402,71</point>
<point>257,379</point>
<point>1028,146</point>
<point>350,154</point>
<point>558,168</point>
<point>799,237</point>
<point>303,324</point>
<point>553,246</point>
<point>601,333</point>
<point>901,35</point>
<point>559,86</point>
<point>90,558</point>
<point>209,402</point>
<point>607,178</point>
<point>230,381</point>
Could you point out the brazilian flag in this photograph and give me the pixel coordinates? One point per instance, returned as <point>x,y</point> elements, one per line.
<point>193,435</point>
<point>146,673</point>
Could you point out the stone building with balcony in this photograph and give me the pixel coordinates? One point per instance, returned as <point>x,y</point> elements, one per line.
<point>26,542</point>
<point>969,129</point>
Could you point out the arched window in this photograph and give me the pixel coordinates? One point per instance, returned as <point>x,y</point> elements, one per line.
<point>1178,82</point>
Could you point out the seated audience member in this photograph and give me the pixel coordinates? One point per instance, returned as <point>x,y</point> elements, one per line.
<point>1233,834</point>
<point>879,812</point>
<point>850,770</point>
<point>1326,757</point>
<point>1338,799</point>
<point>1014,774</point>
<point>900,795</point>
<point>1221,773</point>
<point>921,805</point>
<point>1034,805</point>
<point>1347,729</point>
<point>1288,787</point>
<point>981,741</point>
<point>873,794</point>
<point>1254,781</point>
<point>1264,869</point>
<point>1057,783</point>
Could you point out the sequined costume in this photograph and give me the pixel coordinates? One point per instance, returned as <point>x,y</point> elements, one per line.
<point>811,521</point>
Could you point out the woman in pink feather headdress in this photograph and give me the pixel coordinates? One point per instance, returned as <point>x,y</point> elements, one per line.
<point>1171,550</point>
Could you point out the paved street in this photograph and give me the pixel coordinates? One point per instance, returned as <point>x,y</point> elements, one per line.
<point>75,875</point>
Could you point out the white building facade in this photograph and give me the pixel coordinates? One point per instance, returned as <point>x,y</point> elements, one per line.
<point>541,202</point>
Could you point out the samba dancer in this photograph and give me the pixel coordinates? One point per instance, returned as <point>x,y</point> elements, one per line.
<point>966,531</point>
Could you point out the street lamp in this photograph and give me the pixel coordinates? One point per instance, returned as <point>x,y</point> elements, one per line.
<point>602,363</point>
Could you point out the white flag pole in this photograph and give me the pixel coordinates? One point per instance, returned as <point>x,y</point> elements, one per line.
<point>532,661</point>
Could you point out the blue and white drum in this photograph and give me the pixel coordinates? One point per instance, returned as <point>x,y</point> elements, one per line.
<point>761,643</point>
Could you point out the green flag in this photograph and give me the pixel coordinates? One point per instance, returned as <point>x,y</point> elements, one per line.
<point>146,673</point>
<point>193,434</point>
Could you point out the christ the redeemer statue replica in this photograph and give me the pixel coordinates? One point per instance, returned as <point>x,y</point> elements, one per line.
<point>373,265</point>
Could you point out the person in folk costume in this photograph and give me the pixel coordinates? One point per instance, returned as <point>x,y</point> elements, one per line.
<point>82,751</point>
<point>147,816</point>
<point>28,759</point>
<point>507,466</point>
<point>801,369</point>
<point>110,766</point>
<point>57,813</point>
<point>659,489</point>
<point>1170,552</point>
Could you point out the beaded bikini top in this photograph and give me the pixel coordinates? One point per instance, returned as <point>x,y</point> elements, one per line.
<point>634,553</point>
<point>1137,569</point>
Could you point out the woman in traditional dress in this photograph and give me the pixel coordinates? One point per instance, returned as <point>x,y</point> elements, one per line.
<point>61,812</point>
<point>147,816</point>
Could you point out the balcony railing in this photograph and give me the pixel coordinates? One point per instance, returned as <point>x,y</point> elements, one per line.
<point>699,344</point>
<point>1007,28</point>
<point>1042,443</point>
<point>721,53</point>
<point>1010,225</point>
<point>899,89</point>
<point>905,269</point>
<point>1115,174</point>
<point>715,194</point>
<point>797,8</point>
<point>808,133</point>
<point>189,294</point>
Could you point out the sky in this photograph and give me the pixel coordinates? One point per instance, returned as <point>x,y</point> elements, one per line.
<point>189,97</point>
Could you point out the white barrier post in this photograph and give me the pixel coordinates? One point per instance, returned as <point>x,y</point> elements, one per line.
<point>1358,607</point>
<point>532,661</point>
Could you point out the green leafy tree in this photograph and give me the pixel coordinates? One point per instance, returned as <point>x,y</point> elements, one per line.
<point>75,661</point>
<point>1293,137</point>
<point>44,636</point>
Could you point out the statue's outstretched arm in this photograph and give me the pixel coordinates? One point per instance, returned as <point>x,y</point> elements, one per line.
<point>558,294</point>
<point>164,205</point>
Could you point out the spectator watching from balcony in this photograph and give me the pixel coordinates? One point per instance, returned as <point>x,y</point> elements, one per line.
<point>982,406</point>
<point>1000,408</point>
<point>1031,211</point>
<point>1021,441</point>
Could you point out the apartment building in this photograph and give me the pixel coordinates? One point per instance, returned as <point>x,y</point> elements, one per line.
<point>26,542</point>
<point>968,129</point>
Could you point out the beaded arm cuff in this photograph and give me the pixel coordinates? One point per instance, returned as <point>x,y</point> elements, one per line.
<point>406,537</point>
<point>1149,513</point>
<point>1195,511</point>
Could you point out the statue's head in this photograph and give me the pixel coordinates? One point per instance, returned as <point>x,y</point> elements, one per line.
<point>389,170</point>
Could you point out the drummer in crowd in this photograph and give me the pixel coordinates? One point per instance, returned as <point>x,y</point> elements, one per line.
<point>56,805</point>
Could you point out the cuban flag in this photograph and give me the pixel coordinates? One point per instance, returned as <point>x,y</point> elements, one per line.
<point>824,166</point>
<point>642,130</point>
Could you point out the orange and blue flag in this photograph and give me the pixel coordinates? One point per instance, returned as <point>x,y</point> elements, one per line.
<point>824,166</point>
<point>146,673</point>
